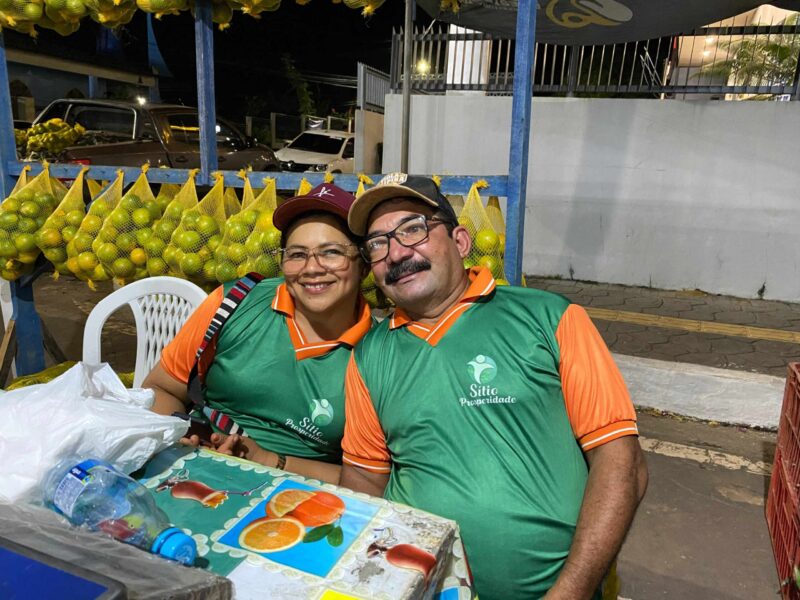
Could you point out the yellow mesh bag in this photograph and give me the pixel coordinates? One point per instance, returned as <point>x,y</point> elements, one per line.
<point>304,187</point>
<point>120,244</point>
<point>457,202</point>
<point>95,186</point>
<point>486,249</point>
<point>231,203</point>
<point>248,194</point>
<point>62,226</point>
<point>159,253</point>
<point>363,181</point>
<point>22,214</point>
<point>199,233</point>
<point>166,193</point>
<point>81,259</point>
<point>263,242</point>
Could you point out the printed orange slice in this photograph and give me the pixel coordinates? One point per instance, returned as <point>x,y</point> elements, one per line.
<point>286,501</point>
<point>271,535</point>
<point>320,509</point>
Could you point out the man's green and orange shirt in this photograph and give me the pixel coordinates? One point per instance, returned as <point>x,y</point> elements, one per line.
<point>484,417</point>
<point>287,393</point>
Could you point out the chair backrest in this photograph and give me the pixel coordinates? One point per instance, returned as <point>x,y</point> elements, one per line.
<point>160,307</point>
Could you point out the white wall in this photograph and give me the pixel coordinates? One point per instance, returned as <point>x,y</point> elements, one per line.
<point>369,133</point>
<point>669,194</point>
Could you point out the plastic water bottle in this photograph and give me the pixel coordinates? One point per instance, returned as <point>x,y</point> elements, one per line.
<point>94,494</point>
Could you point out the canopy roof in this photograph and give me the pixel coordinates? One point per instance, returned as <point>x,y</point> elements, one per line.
<point>582,22</point>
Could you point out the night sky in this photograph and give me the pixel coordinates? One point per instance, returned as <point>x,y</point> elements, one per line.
<point>320,37</point>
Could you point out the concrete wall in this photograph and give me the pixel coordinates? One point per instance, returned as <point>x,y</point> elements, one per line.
<point>669,194</point>
<point>369,134</point>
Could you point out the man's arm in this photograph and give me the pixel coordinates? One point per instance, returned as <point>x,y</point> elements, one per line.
<point>617,483</point>
<point>361,480</point>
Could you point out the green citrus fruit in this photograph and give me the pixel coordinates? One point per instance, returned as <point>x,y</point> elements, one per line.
<point>271,238</point>
<point>207,226</point>
<point>143,235</point>
<point>11,204</point>
<point>123,267</point>
<point>266,265</point>
<point>191,264</point>
<point>153,208</point>
<point>187,240</point>
<point>163,229</point>
<point>237,253</point>
<point>236,231</point>
<point>49,238</point>
<point>107,253</point>
<point>75,217</point>
<point>126,242</point>
<point>68,233</point>
<point>225,272</point>
<point>249,217</point>
<point>487,241</point>
<point>87,261</point>
<point>141,217</point>
<point>30,209</point>
<point>99,208</point>
<point>130,202</point>
<point>213,242</point>
<point>56,255</point>
<point>27,225</point>
<point>91,223</point>
<point>138,257</point>
<point>491,263</point>
<point>9,220</point>
<point>189,220</point>
<point>44,199</point>
<point>210,270</point>
<point>154,247</point>
<point>173,211</point>
<point>7,249</point>
<point>157,266</point>
<point>121,219</point>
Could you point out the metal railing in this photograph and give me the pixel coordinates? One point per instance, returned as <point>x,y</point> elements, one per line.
<point>733,62</point>
<point>373,85</point>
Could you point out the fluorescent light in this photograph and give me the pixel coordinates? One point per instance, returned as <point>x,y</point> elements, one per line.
<point>141,100</point>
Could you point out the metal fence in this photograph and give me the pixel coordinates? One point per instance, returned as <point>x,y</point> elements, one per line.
<point>373,85</point>
<point>732,62</point>
<point>280,128</point>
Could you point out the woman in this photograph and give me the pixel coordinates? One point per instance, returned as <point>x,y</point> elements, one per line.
<point>279,362</point>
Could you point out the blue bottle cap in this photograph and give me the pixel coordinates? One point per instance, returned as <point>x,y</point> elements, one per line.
<point>173,544</point>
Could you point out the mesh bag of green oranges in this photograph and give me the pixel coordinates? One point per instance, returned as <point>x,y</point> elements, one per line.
<point>82,262</point>
<point>487,243</point>
<point>159,253</point>
<point>119,245</point>
<point>200,231</point>
<point>263,241</point>
<point>22,214</point>
<point>61,227</point>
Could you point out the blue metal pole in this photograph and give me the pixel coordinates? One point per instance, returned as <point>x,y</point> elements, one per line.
<point>204,60</point>
<point>30,346</point>
<point>520,138</point>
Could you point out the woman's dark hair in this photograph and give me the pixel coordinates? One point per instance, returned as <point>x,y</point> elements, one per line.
<point>315,214</point>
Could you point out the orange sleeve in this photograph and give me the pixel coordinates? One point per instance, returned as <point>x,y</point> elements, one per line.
<point>364,443</point>
<point>177,357</point>
<point>598,404</point>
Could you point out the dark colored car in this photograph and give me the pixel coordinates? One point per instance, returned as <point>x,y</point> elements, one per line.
<point>130,134</point>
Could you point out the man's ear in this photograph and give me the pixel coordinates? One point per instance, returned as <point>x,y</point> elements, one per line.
<point>463,240</point>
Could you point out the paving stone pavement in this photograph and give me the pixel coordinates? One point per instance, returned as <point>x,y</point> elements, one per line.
<point>708,349</point>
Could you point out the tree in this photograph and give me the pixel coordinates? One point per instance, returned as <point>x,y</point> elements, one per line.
<point>758,60</point>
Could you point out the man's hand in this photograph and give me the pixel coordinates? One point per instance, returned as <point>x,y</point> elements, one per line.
<point>617,482</point>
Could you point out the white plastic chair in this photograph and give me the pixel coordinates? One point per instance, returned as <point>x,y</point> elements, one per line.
<point>160,307</point>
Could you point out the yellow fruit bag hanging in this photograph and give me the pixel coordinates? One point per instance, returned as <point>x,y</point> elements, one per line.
<point>120,244</point>
<point>61,227</point>
<point>231,203</point>
<point>263,242</point>
<point>81,259</point>
<point>166,193</point>
<point>197,235</point>
<point>485,241</point>
<point>22,214</point>
<point>159,253</point>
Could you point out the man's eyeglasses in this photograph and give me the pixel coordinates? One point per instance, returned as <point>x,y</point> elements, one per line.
<point>409,233</point>
<point>331,257</point>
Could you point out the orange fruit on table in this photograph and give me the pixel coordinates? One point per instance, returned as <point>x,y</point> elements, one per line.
<point>312,509</point>
<point>271,535</point>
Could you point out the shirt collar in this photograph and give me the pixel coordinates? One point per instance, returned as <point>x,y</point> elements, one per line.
<point>284,303</point>
<point>481,284</point>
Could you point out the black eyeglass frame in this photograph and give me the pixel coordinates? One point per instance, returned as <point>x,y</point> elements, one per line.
<point>390,235</point>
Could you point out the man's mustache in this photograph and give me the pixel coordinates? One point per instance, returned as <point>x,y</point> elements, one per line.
<point>405,268</point>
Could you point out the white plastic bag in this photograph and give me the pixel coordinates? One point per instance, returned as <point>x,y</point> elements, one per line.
<point>86,411</point>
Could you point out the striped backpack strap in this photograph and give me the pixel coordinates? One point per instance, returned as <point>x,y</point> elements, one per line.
<point>205,353</point>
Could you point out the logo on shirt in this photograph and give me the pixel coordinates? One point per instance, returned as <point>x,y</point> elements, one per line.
<point>482,369</point>
<point>321,412</point>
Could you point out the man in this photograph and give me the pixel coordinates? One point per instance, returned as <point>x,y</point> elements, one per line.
<point>498,407</point>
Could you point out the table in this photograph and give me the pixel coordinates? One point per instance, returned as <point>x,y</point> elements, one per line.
<point>277,535</point>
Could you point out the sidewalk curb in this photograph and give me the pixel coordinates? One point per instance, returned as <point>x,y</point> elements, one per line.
<point>709,393</point>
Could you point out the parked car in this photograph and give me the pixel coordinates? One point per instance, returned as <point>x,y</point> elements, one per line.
<point>129,134</point>
<point>319,150</point>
